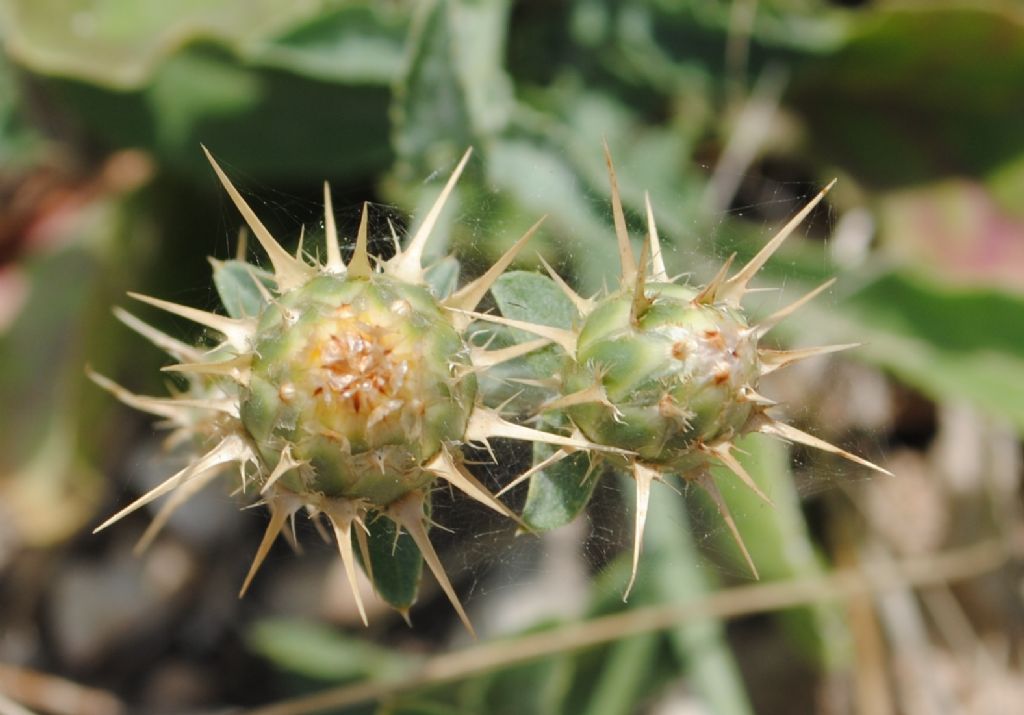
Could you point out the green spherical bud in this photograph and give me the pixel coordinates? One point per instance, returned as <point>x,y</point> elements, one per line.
<point>364,379</point>
<point>675,376</point>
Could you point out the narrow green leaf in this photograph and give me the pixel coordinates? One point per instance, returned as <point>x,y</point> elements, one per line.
<point>781,546</point>
<point>590,664</point>
<point>558,493</point>
<point>397,564</point>
<point>430,102</point>
<point>417,705</point>
<point>627,669</point>
<point>670,568</point>
<point>537,687</point>
<point>236,283</point>
<point>315,650</point>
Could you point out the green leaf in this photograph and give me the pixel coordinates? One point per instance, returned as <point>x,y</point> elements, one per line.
<point>297,91</point>
<point>537,687</point>
<point>443,276</point>
<point>273,124</point>
<point>177,101</point>
<point>315,650</point>
<point>781,546</point>
<point>880,105</point>
<point>946,342</point>
<point>52,427</point>
<point>417,705</point>
<point>558,493</point>
<point>538,178</point>
<point>479,30</point>
<point>502,384</point>
<point>534,297</point>
<point>357,43</point>
<point>397,564</point>
<point>236,283</point>
<point>453,93</point>
<point>454,86</point>
<point>430,102</point>
<point>47,332</point>
<point>119,43</point>
<point>624,663</point>
<point>625,675</point>
<point>20,142</point>
<point>670,569</point>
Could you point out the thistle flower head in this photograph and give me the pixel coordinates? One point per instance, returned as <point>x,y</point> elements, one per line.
<point>675,374</point>
<point>668,374</point>
<point>364,380</point>
<point>347,393</point>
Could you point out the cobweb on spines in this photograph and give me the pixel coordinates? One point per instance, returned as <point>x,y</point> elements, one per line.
<point>295,212</point>
<point>813,473</point>
<point>480,556</point>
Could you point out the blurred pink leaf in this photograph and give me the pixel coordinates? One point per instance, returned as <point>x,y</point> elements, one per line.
<point>956,231</point>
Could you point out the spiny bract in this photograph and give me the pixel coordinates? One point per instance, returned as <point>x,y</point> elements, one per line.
<point>669,374</point>
<point>347,392</point>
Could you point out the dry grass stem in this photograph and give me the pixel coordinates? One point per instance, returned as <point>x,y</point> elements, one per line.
<point>915,572</point>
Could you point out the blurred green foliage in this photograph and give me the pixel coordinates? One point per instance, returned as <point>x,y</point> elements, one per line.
<point>916,107</point>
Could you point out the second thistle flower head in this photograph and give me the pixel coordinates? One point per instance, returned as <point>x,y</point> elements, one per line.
<point>676,372</point>
<point>668,374</point>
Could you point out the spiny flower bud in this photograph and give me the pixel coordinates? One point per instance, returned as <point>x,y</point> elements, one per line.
<point>345,390</point>
<point>668,374</point>
<point>676,374</point>
<point>364,380</point>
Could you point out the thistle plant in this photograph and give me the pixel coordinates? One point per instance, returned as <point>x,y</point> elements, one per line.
<point>343,390</point>
<point>668,374</point>
<point>349,390</point>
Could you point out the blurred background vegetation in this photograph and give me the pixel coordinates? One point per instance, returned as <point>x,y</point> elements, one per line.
<point>730,114</point>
